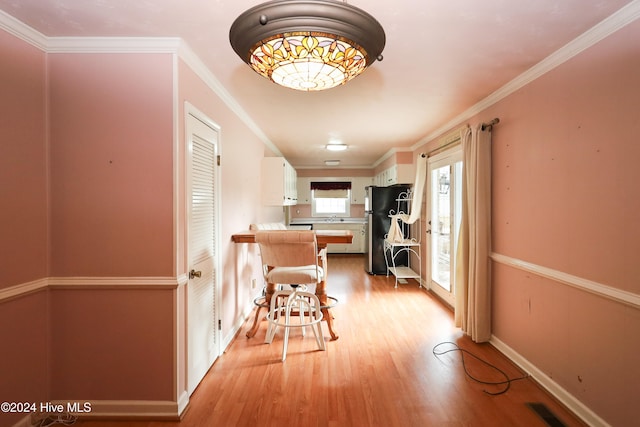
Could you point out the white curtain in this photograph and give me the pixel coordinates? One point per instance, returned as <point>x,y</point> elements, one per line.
<point>473,273</point>
<point>395,234</point>
<point>417,192</point>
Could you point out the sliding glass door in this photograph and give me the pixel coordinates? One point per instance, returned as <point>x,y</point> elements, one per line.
<point>444,197</point>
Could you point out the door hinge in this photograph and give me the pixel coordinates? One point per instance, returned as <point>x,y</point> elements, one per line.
<point>218,159</point>
<point>219,324</point>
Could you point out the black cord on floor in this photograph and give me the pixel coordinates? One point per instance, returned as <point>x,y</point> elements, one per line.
<point>507,382</point>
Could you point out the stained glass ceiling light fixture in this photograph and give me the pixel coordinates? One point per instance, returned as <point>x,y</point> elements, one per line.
<point>308,45</point>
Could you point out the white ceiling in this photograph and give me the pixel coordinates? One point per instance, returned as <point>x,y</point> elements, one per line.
<point>441,58</point>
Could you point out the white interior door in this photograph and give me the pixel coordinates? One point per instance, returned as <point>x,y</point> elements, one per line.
<point>203,336</point>
<point>443,220</point>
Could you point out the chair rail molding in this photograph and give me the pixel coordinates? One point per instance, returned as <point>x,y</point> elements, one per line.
<point>23,289</point>
<point>91,283</point>
<point>605,291</point>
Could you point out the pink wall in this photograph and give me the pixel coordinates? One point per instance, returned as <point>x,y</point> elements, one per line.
<point>567,197</point>
<point>110,174</point>
<point>242,153</point>
<point>23,223</point>
<point>399,158</point>
<point>107,162</point>
<point>111,215</point>
<point>23,163</point>
<point>109,344</point>
<point>404,157</point>
<point>571,178</point>
<point>111,165</point>
<point>24,329</point>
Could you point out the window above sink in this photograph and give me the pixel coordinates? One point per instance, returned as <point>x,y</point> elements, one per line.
<point>331,199</point>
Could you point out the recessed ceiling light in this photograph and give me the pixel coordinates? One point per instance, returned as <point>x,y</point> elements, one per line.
<point>332,162</point>
<point>336,147</point>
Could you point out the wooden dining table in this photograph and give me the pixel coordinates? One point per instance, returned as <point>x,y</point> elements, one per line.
<point>323,238</point>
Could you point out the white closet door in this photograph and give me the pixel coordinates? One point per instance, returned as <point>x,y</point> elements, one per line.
<point>203,336</point>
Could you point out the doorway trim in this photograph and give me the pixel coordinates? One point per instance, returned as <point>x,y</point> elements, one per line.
<point>447,157</point>
<point>183,172</point>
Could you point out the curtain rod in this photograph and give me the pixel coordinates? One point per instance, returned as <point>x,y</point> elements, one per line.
<point>457,139</point>
<point>483,127</point>
<point>490,124</point>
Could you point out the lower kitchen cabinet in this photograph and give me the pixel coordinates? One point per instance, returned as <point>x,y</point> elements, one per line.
<point>358,230</point>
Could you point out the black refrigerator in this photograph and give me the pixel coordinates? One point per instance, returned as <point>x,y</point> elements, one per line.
<point>379,202</point>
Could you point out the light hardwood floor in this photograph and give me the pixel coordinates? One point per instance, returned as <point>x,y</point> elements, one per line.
<point>380,372</point>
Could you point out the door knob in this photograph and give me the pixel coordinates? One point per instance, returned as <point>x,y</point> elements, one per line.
<point>194,273</point>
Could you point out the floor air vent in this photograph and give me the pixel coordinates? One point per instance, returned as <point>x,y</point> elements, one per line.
<point>545,413</point>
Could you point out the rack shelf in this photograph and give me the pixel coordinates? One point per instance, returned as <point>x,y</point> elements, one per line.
<point>393,248</point>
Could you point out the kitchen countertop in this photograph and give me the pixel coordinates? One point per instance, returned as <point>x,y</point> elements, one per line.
<point>295,221</point>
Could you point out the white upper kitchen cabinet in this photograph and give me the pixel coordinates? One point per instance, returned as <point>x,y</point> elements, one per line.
<point>357,189</point>
<point>279,182</point>
<point>396,174</point>
<point>304,190</point>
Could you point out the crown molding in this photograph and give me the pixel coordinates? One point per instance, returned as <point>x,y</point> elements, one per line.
<point>608,26</point>
<point>318,167</point>
<point>22,31</point>
<point>112,45</point>
<point>195,63</point>
<point>605,28</point>
<point>173,45</point>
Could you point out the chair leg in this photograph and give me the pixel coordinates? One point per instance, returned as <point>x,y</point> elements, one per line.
<point>301,315</point>
<point>317,328</point>
<point>272,324</point>
<point>285,342</point>
<point>284,304</point>
<point>329,319</point>
<point>271,331</point>
<point>254,328</point>
<point>317,331</point>
<point>271,327</point>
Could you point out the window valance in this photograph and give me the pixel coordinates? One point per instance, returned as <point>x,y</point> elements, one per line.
<point>330,189</point>
<point>331,185</point>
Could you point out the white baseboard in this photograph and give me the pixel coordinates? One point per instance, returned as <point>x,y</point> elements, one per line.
<point>132,409</point>
<point>237,326</point>
<point>122,410</point>
<point>183,401</point>
<point>566,398</point>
